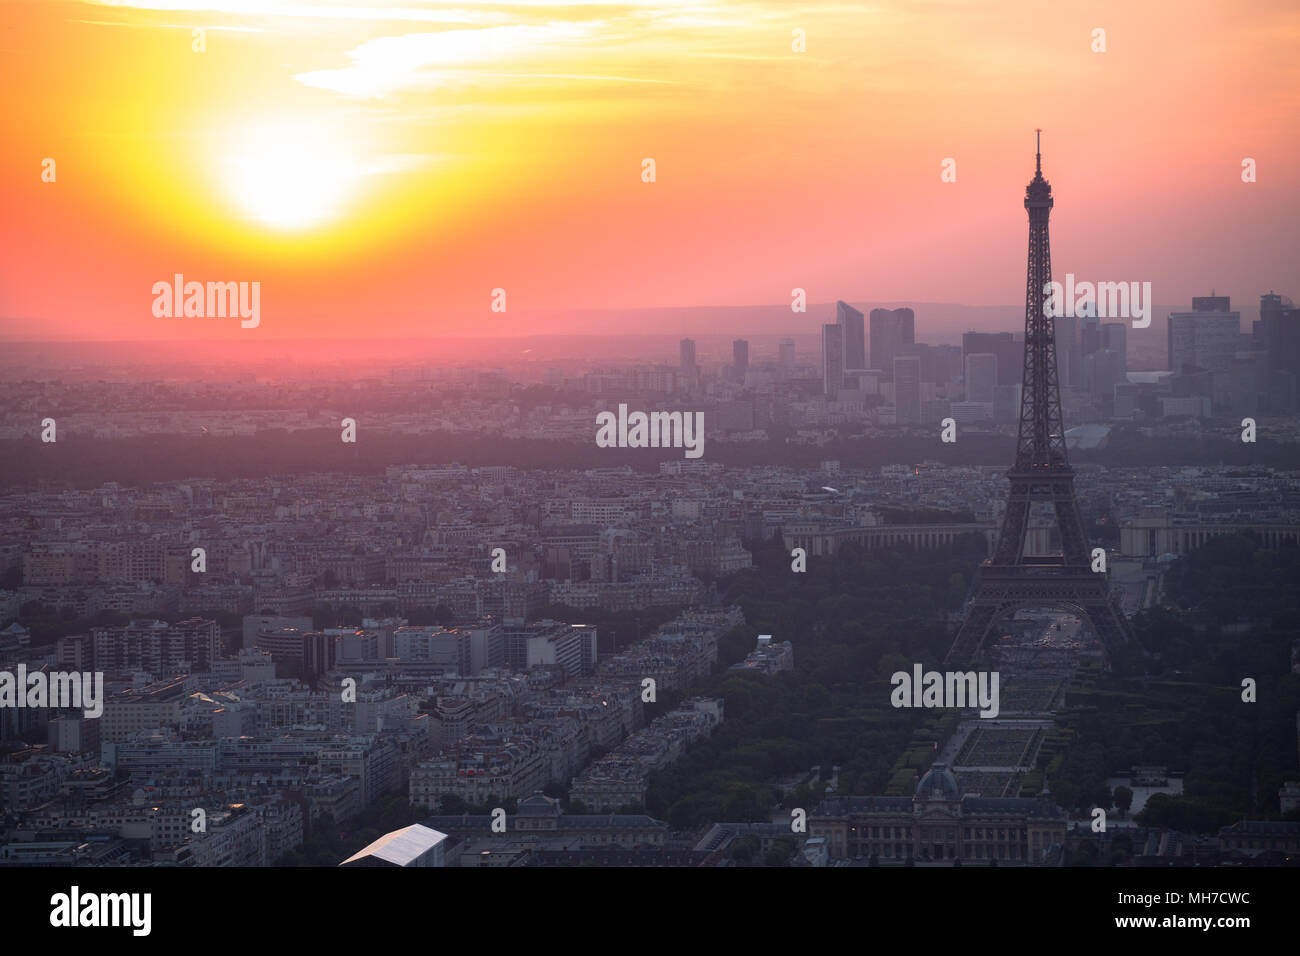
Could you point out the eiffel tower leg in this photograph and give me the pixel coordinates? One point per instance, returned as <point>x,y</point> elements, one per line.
<point>1015,523</point>
<point>1074,545</point>
<point>972,634</point>
<point>1109,623</point>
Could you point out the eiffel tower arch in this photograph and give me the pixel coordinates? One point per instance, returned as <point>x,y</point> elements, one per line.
<point>1012,579</point>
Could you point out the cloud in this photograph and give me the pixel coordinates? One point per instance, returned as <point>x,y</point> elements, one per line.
<point>316,9</point>
<point>388,64</point>
<point>167,26</point>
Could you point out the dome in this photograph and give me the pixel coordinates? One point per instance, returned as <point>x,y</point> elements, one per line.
<point>538,805</point>
<point>938,784</point>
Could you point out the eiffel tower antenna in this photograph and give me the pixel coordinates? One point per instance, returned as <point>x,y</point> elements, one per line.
<point>1012,579</point>
<point>1039,154</point>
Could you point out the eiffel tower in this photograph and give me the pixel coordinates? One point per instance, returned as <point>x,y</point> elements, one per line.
<point>1011,579</point>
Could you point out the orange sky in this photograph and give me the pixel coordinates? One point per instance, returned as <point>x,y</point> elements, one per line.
<point>380,167</point>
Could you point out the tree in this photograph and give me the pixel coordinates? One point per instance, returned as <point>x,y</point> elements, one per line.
<point>1102,797</point>
<point>1121,848</point>
<point>452,803</point>
<point>780,851</point>
<point>743,850</point>
<point>1087,854</point>
<point>1123,797</point>
<point>421,617</point>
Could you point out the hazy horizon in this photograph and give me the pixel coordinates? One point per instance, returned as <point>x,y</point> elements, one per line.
<point>395,174</point>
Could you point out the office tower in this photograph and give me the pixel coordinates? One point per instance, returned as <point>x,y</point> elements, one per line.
<point>1248,382</point>
<point>1205,338</point>
<point>1006,404</point>
<point>740,359</point>
<point>907,389</point>
<point>1211,303</point>
<point>1010,353</point>
<point>925,354</point>
<point>689,372</point>
<point>1089,330</point>
<point>1278,332</point>
<point>890,329</point>
<point>855,342</point>
<point>1102,371</point>
<point>785,351</point>
<point>1114,337</point>
<point>832,359</point>
<point>981,376</point>
<point>1069,358</point>
<point>948,366</point>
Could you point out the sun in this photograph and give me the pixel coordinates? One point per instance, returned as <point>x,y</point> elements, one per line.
<point>290,177</point>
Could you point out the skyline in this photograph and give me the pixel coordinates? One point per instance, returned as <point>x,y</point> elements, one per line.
<point>943,323</point>
<point>418,179</point>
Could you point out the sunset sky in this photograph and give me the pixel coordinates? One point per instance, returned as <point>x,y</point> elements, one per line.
<point>380,167</point>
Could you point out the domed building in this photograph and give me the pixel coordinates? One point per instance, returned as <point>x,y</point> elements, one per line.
<point>941,823</point>
<point>937,784</point>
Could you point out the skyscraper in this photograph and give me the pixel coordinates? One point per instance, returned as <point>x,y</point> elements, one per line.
<point>740,359</point>
<point>687,348</point>
<point>1006,404</point>
<point>1205,338</point>
<point>907,389</point>
<point>1090,336</point>
<point>832,359</point>
<point>1010,353</point>
<point>689,372</point>
<point>1278,332</point>
<point>785,352</point>
<point>925,353</point>
<point>890,329</point>
<point>948,367</point>
<point>1102,371</point>
<point>1068,356</point>
<point>855,342</point>
<point>1114,338</point>
<point>981,376</point>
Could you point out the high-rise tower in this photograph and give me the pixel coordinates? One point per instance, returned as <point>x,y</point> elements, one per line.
<point>890,330</point>
<point>740,359</point>
<point>855,342</point>
<point>1041,473</point>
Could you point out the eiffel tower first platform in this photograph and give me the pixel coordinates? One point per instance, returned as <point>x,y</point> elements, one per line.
<point>1011,579</point>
